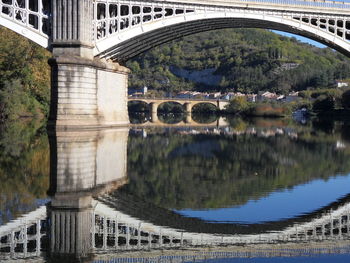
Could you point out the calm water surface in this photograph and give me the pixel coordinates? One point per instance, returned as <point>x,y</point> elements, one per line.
<point>144,192</point>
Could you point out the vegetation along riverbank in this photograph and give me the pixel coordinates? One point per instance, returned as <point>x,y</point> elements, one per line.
<point>230,60</point>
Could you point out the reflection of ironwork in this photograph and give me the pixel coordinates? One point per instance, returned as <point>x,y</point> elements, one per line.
<point>22,238</point>
<point>104,229</point>
<point>137,234</point>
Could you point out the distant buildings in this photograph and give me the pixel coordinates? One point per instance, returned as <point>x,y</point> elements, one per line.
<point>341,84</point>
<point>267,96</point>
<point>138,92</point>
<point>262,96</point>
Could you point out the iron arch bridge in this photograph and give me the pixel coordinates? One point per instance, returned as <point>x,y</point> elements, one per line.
<point>122,29</point>
<point>90,39</point>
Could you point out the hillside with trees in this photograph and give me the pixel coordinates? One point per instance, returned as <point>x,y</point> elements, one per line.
<point>245,60</point>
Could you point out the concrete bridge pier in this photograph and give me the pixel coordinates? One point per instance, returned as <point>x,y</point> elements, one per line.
<point>188,112</point>
<point>154,112</point>
<point>188,107</point>
<point>188,118</point>
<point>154,117</point>
<point>154,107</point>
<point>221,104</point>
<point>85,92</point>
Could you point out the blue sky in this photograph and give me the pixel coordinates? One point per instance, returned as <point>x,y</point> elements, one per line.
<point>302,39</point>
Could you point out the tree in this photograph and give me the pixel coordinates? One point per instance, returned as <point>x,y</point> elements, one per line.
<point>24,76</point>
<point>15,102</point>
<point>237,105</point>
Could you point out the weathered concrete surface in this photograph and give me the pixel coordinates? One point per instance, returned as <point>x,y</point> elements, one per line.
<point>87,93</point>
<point>188,107</point>
<point>72,22</point>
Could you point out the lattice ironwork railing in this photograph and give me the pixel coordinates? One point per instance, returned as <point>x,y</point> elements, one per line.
<point>32,14</point>
<point>116,16</point>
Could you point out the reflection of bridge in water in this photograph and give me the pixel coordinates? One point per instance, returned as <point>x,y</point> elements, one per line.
<point>85,216</point>
<point>188,122</point>
<point>188,104</point>
<point>102,228</point>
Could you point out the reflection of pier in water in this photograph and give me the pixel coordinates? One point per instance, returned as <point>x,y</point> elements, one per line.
<point>97,229</point>
<point>85,216</point>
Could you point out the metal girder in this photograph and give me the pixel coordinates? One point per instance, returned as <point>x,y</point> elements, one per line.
<point>123,29</point>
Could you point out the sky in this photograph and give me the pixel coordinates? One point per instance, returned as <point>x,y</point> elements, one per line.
<point>300,38</point>
<point>304,39</point>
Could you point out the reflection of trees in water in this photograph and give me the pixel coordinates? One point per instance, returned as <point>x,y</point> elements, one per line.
<point>204,108</point>
<point>204,117</point>
<point>345,131</point>
<point>325,125</point>
<point>168,107</point>
<point>207,171</point>
<point>171,118</point>
<point>139,117</point>
<point>24,167</point>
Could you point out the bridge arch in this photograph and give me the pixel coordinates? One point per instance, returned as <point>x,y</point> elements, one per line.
<point>145,106</point>
<point>30,19</point>
<point>210,103</point>
<point>333,31</point>
<point>172,103</point>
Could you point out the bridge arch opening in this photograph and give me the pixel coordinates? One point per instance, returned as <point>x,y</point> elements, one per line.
<point>170,107</point>
<point>204,107</point>
<point>204,113</point>
<point>170,112</point>
<point>139,111</point>
<point>138,106</point>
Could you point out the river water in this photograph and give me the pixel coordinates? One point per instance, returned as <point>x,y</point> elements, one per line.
<point>213,190</point>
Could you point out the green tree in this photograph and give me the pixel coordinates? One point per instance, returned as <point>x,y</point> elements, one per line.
<point>16,102</point>
<point>24,76</point>
<point>237,105</point>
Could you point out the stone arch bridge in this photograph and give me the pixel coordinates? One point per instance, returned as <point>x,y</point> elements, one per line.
<point>188,104</point>
<point>90,38</point>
